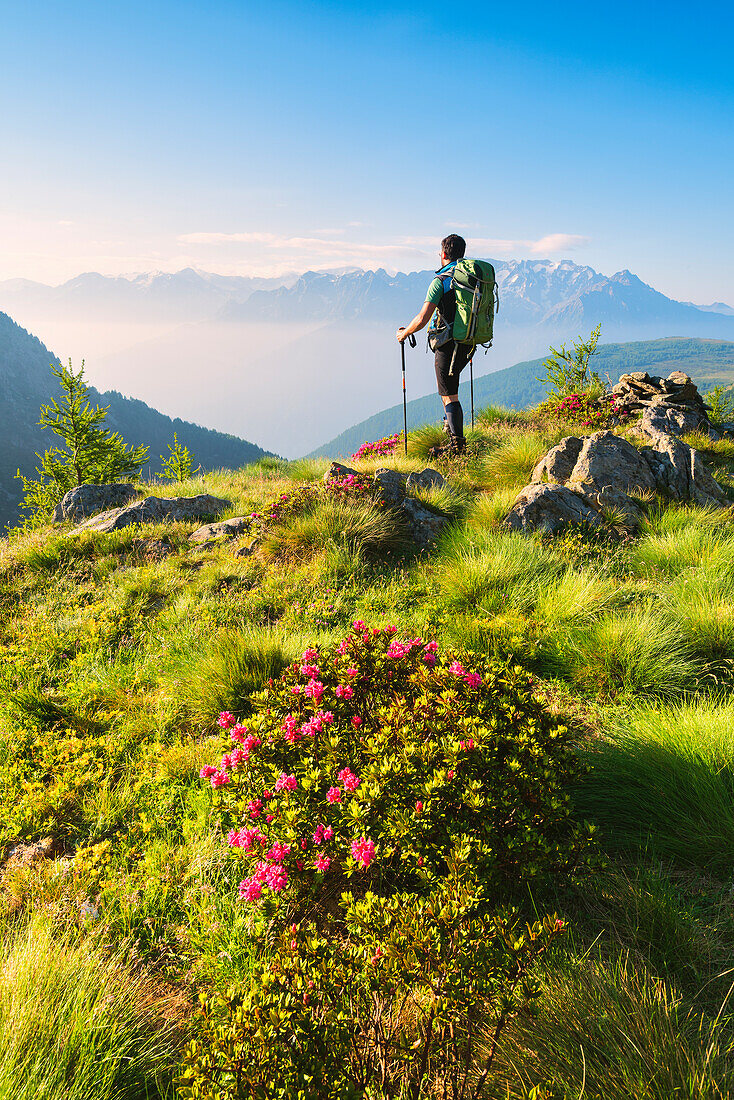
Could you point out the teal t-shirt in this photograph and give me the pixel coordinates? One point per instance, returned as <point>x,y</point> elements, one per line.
<point>435,290</point>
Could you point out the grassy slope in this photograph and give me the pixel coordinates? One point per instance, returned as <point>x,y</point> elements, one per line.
<point>116,661</point>
<point>708,362</point>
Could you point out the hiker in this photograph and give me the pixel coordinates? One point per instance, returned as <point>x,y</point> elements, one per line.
<point>450,357</point>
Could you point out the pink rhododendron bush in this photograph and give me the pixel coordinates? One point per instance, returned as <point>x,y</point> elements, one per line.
<point>383,804</point>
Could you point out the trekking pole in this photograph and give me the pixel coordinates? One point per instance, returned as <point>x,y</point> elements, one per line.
<point>411,339</point>
<point>471,383</point>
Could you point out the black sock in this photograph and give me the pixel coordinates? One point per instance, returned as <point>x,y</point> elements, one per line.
<point>455,418</point>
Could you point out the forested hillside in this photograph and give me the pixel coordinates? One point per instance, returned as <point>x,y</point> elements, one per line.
<point>27,382</point>
<point>708,362</point>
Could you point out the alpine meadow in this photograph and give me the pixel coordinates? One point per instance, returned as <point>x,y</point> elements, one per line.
<point>366,551</point>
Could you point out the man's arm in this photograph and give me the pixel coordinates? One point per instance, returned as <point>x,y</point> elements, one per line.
<point>419,321</point>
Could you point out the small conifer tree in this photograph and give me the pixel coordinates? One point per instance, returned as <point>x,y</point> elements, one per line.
<point>568,370</point>
<point>179,463</point>
<point>91,453</point>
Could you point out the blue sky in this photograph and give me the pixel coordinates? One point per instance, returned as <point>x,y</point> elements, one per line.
<point>253,139</point>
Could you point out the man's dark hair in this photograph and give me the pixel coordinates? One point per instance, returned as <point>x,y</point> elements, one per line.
<point>453,246</point>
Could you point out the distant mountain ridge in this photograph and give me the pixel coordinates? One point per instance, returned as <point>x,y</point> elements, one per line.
<point>26,383</point>
<point>708,362</point>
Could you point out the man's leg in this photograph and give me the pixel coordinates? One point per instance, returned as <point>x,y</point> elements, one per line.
<point>448,385</point>
<point>454,419</point>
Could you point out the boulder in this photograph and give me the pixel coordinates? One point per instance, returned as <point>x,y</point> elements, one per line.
<point>662,417</point>
<point>549,508</point>
<point>225,529</point>
<point>423,524</point>
<point>606,461</point>
<point>89,499</point>
<point>557,465</point>
<point>426,479</point>
<point>337,472</point>
<point>390,487</point>
<point>157,510</point>
<point>680,473</point>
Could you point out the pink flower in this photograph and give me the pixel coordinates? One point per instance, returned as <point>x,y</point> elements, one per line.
<point>255,807</point>
<point>349,779</point>
<point>322,863</point>
<point>358,624</point>
<point>467,746</point>
<point>207,772</point>
<point>429,660</point>
<point>309,655</point>
<point>226,762</point>
<point>431,647</point>
<point>450,774</point>
<point>363,851</point>
<point>396,650</point>
<point>239,733</point>
<point>250,890</point>
<point>276,877</point>
<point>219,779</point>
<point>352,672</point>
<point>225,720</point>
<point>315,690</point>
<point>328,832</point>
<point>310,670</point>
<point>419,807</point>
<point>318,836</point>
<point>391,629</point>
<point>473,679</point>
<point>342,648</point>
<point>344,691</point>
<point>457,668</point>
<point>286,782</point>
<point>333,794</point>
<point>356,721</point>
<point>278,852</point>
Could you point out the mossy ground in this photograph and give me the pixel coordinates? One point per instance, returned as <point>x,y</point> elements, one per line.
<point>117,655</point>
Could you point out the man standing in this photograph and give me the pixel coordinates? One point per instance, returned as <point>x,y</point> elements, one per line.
<point>451,358</point>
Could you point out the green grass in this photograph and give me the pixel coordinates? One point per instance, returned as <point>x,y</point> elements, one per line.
<point>76,1025</point>
<point>663,781</point>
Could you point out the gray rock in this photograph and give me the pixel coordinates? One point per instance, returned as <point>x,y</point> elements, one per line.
<point>426,479</point>
<point>390,487</point>
<point>606,461</point>
<point>225,529</point>
<point>89,499</point>
<point>336,472</point>
<point>423,524</point>
<point>557,465</point>
<point>157,510</point>
<point>680,473</point>
<point>663,418</point>
<point>550,508</point>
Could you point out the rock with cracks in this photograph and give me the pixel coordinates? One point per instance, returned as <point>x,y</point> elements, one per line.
<point>423,524</point>
<point>550,508</point>
<point>157,510</point>
<point>224,529</point>
<point>89,500</point>
<point>673,404</point>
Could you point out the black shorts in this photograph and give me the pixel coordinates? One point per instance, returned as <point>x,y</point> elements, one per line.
<point>448,386</point>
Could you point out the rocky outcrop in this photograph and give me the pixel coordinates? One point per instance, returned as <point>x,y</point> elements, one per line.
<point>157,510</point>
<point>580,478</point>
<point>225,529</point>
<point>392,488</point>
<point>673,404</point>
<point>88,500</point>
<point>550,508</point>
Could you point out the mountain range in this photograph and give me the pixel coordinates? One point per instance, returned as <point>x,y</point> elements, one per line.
<point>26,382</point>
<point>291,362</point>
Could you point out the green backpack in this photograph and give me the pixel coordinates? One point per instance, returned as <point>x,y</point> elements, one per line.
<point>477,301</point>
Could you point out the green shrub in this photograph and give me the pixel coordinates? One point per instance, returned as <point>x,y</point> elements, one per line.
<point>75,1025</point>
<point>569,371</point>
<point>664,781</point>
<point>435,793</point>
<point>720,400</point>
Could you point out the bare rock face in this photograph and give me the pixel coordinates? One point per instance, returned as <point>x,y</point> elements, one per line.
<point>426,479</point>
<point>661,417</point>
<point>557,465</point>
<point>88,500</point>
<point>608,461</point>
<point>225,529</point>
<point>423,524</point>
<point>157,510</point>
<point>550,508</point>
<point>680,472</point>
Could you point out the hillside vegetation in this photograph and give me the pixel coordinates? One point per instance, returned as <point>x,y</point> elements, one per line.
<point>530,797</point>
<point>708,362</point>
